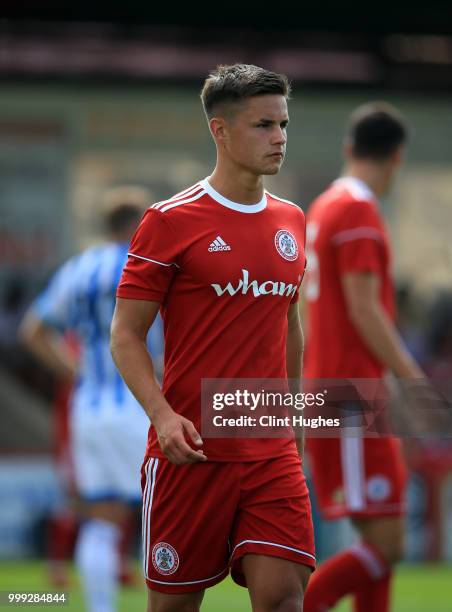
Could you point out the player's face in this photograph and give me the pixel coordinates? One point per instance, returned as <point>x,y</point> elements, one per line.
<point>256,135</point>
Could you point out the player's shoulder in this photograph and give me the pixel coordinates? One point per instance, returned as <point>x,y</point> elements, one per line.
<point>94,253</point>
<point>86,260</point>
<point>74,260</point>
<point>345,200</point>
<point>283,204</point>
<point>63,275</point>
<point>182,200</point>
<point>353,193</point>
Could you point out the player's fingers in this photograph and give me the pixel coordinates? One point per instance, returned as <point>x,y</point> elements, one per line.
<point>190,455</point>
<point>179,458</point>
<point>194,435</point>
<point>197,457</point>
<point>174,455</point>
<point>170,448</point>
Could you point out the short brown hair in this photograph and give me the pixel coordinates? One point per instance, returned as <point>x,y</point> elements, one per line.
<point>231,84</point>
<point>376,130</point>
<point>123,206</point>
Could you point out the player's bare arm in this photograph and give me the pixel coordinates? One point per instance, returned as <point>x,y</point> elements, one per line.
<point>361,291</point>
<point>48,346</point>
<point>130,325</point>
<point>294,358</point>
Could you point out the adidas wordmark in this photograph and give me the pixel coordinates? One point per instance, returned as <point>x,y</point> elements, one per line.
<point>218,245</point>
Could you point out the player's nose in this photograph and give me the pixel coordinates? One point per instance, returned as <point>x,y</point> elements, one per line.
<point>279,136</point>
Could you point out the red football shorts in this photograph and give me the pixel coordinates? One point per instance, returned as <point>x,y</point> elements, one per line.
<point>357,477</point>
<point>199,520</point>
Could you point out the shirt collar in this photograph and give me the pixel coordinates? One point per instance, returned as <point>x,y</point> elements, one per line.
<point>358,188</point>
<point>244,208</point>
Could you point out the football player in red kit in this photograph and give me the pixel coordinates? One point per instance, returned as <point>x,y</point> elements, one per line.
<point>223,261</point>
<point>351,334</point>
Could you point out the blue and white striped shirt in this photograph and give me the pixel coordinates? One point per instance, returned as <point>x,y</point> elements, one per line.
<point>81,297</point>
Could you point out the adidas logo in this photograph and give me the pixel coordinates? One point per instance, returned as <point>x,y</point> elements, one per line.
<point>218,245</point>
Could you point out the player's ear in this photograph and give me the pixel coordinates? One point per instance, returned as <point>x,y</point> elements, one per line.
<point>218,129</point>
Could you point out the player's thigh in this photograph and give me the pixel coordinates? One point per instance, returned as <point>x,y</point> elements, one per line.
<point>385,533</point>
<point>184,602</point>
<point>274,519</point>
<point>274,583</point>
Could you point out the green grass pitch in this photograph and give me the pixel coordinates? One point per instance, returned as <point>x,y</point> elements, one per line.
<point>417,588</point>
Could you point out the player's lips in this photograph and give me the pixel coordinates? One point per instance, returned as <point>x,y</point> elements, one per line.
<point>278,154</point>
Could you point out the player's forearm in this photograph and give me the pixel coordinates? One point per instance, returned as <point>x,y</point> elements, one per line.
<point>134,362</point>
<point>48,347</point>
<point>381,337</point>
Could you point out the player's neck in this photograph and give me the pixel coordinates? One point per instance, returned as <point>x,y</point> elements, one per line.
<point>372,175</point>
<point>240,187</point>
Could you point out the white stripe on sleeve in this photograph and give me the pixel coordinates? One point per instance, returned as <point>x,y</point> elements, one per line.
<point>160,263</point>
<point>356,233</point>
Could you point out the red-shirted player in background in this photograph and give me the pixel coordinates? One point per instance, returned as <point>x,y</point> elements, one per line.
<point>223,261</point>
<point>351,334</point>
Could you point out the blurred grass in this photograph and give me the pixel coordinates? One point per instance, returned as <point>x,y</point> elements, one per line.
<point>417,588</point>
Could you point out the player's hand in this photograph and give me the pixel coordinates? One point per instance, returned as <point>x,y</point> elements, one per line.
<point>429,408</point>
<point>172,434</point>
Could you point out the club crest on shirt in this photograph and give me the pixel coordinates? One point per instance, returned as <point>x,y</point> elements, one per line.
<point>286,245</point>
<point>164,558</point>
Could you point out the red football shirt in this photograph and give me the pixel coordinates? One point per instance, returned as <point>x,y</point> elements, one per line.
<point>225,274</point>
<point>345,233</point>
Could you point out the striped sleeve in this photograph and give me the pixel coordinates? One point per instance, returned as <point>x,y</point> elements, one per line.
<point>359,241</point>
<point>153,260</point>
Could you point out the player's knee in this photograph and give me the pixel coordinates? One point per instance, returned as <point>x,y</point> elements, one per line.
<point>290,602</point>
<point>390,549</point>
<point>394,551</point>
<point>159,602</point>
<point>394,547</point>
<point>386,536</point>
<point>282,600</point>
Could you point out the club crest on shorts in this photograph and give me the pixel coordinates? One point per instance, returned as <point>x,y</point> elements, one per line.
<point>286,245</point>
<point>378,488</point>
<point>164,558</point>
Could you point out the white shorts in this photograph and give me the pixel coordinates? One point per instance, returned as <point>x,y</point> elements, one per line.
<point>107,455</point>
